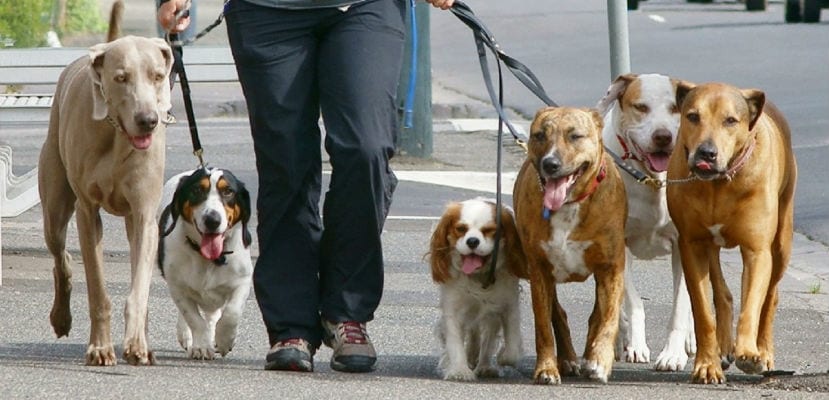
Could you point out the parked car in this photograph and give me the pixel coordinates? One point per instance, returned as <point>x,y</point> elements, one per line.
<point>804,10</point>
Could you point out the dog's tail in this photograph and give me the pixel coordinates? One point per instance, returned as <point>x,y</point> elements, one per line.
<point>115,17</point>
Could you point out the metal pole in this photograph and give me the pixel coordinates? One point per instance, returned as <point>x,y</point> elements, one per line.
<point>617,22</point>
<point>416,141</point>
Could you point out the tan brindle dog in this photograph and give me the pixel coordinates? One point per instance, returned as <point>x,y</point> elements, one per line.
<point>736,149</point>
<point>570,208</point>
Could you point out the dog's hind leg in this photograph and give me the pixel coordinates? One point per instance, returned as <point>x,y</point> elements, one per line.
<point>90,233</point>
<point>681,342</point>
<point>57,201</point>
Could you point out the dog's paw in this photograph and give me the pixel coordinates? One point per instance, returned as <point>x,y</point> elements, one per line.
<point>752,364</point>
<point>487,371</point>
<point>201,353</point>
<point>100,355</point>
<point>61,318</point>
<point>674,356</point>
<point>638,354</point>
<point>509,356</point>
<point>225,338</point>
<point>462,373</point>
<point>569,367</point>
<point>547,377</point>
<point>185,337</point>
<point>137,354</point>
<point>595,371</point>
<point>707,372</point>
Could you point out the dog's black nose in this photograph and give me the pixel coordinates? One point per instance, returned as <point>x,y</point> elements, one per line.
<point>661,137</point>
<point>551,165</point>
<point>706,151</point>
<point>212,220</point>
<point>473,242</point>
<point>146,121</point>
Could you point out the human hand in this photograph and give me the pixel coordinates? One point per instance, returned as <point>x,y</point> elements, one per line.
<point>442,4</point>
<point>167,12</point>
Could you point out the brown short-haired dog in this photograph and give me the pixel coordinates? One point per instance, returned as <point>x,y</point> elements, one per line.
<point>735,148</point>
<point>570,210</point>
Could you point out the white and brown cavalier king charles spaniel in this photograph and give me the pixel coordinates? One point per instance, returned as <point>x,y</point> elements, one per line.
<point>475,314</point>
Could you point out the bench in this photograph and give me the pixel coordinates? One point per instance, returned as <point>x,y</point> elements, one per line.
<point>27,83</point>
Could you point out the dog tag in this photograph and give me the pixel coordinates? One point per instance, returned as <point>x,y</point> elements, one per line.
<point>545,213</point>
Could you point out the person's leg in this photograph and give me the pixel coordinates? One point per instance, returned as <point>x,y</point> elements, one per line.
<point>275,53</point>
<point>361,56</point>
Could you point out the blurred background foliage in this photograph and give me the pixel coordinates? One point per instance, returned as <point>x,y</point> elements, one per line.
<point>25,23</point>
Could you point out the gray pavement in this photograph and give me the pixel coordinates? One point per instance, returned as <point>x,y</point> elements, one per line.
<point>33,364</point>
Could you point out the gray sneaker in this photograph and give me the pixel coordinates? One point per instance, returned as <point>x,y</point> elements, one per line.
<point>353,351</point>
<point>294,354</point>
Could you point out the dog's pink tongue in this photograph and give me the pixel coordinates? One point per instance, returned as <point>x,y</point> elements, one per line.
<point>141,142</point>
<point>471,263</point>
<point>658,161</point>
<point>212,245</point>
<point>555,192</point>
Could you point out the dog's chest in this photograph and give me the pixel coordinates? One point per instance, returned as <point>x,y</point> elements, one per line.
<point>566,255</point>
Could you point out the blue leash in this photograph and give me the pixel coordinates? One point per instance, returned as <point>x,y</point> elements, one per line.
<point>408,105</point>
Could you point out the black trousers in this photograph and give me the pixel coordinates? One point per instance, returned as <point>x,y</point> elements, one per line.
<point>294,65</point>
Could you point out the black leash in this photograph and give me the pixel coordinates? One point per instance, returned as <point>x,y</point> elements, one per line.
<point>178,69</point>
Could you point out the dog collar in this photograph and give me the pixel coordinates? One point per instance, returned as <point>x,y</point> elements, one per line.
<point>546,213</point>
<point>627,155</point>
<point>741,159</point>
<point>222,260</point>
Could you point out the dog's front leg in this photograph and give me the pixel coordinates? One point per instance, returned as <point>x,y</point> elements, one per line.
<point>510,353</point>
<point>695,265</point>
<point>90,233</point>
<point>455,363</point>
<point>604,321</point>
<point>681,342</point>
<point>634,346</point>
<point>142,233</point>
<point>757,268</point>
<point>723,304</point>
<point>229,321</point>
<point>542,290</point>
<point>488,331</point>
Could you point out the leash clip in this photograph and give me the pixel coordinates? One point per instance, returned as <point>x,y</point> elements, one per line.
<point>654,184</point>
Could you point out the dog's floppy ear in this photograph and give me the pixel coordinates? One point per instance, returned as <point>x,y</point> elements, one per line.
<point>440,247</point>
<point>755,99</point>
<point>173,210</point>
<point>682,90</point>
<point>516,261</point>
<point>243,198</point>
<point>96,65</point>
<point>614,93</point>
<point>164,102</point>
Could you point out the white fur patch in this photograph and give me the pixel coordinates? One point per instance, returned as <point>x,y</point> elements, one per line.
<point>567,256</point>
<point>719,240</point>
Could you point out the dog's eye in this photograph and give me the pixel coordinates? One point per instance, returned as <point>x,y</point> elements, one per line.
<point>692,117</point>
<point>228,193</point>
<point>539,136</point>
<point>642,108</point>
<point>574,136</point>
<point>120,78</point>
<point>159,77</point>
<point>730,121</point>
<point>461,229</point>
<point>674,109</point>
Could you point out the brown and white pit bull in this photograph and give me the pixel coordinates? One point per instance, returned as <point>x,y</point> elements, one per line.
<point>736,150</point>
<point>570,208</point>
